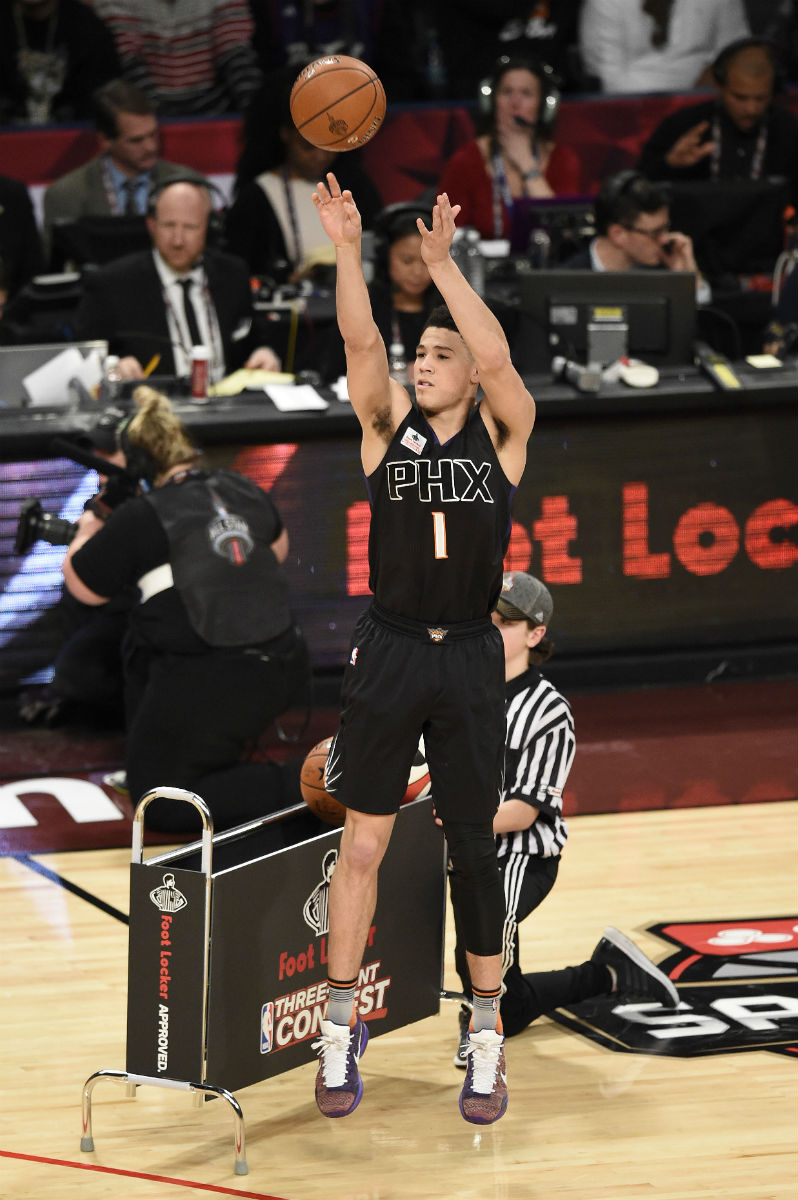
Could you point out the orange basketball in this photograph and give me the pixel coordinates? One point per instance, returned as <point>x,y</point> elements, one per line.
<point>326,807</point>
<point>311,784</point>
<point>337,102</point>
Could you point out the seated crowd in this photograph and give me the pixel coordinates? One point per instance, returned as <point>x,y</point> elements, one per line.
<point>512,73</point>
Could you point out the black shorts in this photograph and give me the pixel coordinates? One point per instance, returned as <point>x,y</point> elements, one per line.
<point>404,680</point>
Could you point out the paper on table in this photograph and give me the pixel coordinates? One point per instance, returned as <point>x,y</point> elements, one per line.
<point>239,381</point>
<point>49,383</point>
<point>294,398</point>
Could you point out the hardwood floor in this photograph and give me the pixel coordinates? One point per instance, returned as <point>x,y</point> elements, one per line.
<point>583,1123</point>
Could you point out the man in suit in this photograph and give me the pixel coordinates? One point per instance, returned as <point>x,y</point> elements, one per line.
<point>117,181</point>
<point>160,303</point>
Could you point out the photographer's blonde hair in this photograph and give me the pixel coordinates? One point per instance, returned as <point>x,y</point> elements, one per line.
<point>158,430</point>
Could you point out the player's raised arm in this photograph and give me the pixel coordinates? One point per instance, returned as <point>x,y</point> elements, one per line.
<point>508,401</point>
<point>374,395</point>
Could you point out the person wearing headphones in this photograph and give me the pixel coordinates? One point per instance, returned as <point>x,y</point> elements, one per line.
<point>633,232</point>
<point>739,134</point>
<point>212,653</point>
<point>159,304</point>
<point>401,291</point>
<point>514,155</point>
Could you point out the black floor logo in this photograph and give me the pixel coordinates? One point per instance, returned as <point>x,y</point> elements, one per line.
<point>738,990</point>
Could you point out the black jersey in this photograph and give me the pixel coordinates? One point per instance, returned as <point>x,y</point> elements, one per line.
<point>440,523</point>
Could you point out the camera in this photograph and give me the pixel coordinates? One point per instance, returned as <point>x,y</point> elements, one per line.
<point>36,524</point>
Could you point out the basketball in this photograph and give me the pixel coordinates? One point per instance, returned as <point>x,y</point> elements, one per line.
<point>337,103</point>
<point>418,784</point>
<point>311,784</point>
<point>326,807</point>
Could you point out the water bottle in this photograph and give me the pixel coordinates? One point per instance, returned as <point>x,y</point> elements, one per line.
<point>397,363</point>
<point>111,383</point>
<point>474,269</point>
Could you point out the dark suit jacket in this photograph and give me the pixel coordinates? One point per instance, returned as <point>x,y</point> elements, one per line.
<point>123,304</point>
<point>20,247</point>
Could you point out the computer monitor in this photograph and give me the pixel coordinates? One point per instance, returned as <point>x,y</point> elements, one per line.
<point>658,307</point>
<point>736,225</point>
<point>96,240</point>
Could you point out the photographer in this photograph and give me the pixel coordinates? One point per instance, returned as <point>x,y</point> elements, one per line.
<point>212,653</point>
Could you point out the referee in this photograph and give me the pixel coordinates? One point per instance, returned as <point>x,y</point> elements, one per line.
<point>531,832</point>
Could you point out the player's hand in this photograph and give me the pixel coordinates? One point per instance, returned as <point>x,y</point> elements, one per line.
<point>338,212</point>
<point>689,148</point>
<point>676,252</point>
<point>436,242</point>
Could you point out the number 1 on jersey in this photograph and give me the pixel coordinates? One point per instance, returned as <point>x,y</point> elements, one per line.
<point>439,534</point>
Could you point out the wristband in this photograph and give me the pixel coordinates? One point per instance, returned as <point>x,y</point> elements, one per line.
<point>532,173</point>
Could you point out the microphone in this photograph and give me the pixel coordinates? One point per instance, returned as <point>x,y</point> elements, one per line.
<point>584,378</point>
<point>525,124</point>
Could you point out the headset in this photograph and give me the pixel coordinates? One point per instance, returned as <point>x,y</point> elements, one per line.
<point>216,218</point>
<point>392,222</point>
<point>720,67</point>
<point>615,187</point>
<point>139,463</point>
<point>550,93</point>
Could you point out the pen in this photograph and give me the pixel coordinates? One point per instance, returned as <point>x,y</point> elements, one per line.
<point>151,365</point>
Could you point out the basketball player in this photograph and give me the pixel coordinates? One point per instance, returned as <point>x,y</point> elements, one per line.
<point>425,657</point>
<point>531,833</point>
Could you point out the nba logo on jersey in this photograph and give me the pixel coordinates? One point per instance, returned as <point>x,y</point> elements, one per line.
<point>266,1027</point>
<point>414,441</point>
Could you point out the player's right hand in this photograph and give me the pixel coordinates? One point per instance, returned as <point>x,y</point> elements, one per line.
<point>338,212</point>
<point>689,148</point>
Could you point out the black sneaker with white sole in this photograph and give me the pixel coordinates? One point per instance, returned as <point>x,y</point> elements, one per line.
<point>461,1057</point>
<point>637,976</point>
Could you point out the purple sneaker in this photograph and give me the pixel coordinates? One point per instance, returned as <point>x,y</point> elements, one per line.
<point>338,1083</point>
<point>484,1095</point>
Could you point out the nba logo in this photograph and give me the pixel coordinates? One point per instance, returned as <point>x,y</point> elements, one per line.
<point>266,1027</point>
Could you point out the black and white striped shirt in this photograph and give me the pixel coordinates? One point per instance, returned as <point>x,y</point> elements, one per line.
<point>539,751</point>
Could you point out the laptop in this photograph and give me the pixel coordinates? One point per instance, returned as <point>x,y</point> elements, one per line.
<point>18,363</point>
<point>737,225</point>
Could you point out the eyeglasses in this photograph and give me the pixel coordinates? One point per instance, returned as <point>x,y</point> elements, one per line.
<point>655,233</point>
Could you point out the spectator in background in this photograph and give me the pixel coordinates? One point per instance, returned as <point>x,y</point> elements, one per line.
<point>402,293</point>
<point>740,134</point>
<point>656,45</point>
<point>438,50</point>
<point>21,254</point>
<point>53,55</point>
<point>156,306</point>
<point>514,155</point>
<point>272,223</point>
<point>291,32</point>
<point>192,58</point>
<point>118,180</point>
<point>633,232</point>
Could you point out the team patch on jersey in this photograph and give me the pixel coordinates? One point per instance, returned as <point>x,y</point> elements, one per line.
<point>353,657</point>
<point>738,990</point>
<point>414,441</point>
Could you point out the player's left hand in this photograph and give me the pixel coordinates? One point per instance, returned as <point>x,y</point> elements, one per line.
<point>436,242</point>
<point>676,252</point>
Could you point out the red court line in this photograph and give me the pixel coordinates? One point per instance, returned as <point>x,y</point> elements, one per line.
<point>202,1187</point>
<point>681,967</point>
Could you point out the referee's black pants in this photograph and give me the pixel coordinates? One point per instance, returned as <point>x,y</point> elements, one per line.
<point>529,996</point>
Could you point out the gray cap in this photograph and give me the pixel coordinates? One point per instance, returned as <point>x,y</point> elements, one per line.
<point>523,597</point>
